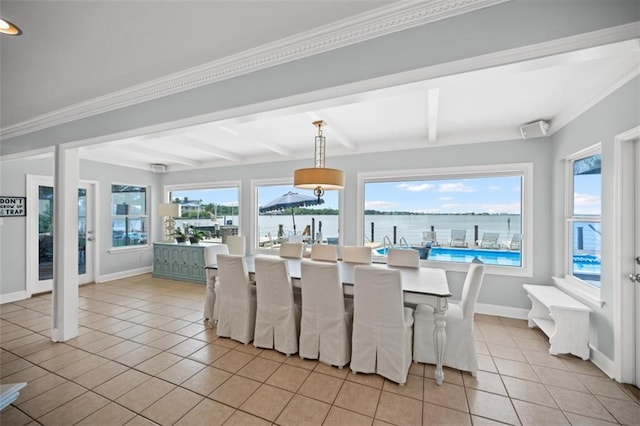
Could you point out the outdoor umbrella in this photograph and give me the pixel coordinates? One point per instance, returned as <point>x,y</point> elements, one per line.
<point>291,200</point>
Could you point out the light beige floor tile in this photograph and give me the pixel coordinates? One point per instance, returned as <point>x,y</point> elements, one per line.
<point>27,375</point>
<point>61,361</point>
<point>138,356</point>
<point>451,375</point>
<point>626,412</point>
<point>340,373</point>
<point>240,418</point>
<point>181,371</point>
<point>172,406</point>
<point>40,405</point>
<point>273,355</point>
<point>296,361</point>
<point>485,363</point>
<point>544,359</point>
<point>121,384</point>
<point>111,414</point>
<point>578,365</point>
<point>84,365</point>
<point>209,353</point>
<point>119,349</point>
<point>140,421</point>
<point>506,352</point>
<point>303,411</point>
<point>267,402</point>
<point>187,347</point>
<point>417,369</point>
<point>560,378</point>
<point>489,382</point>
<point>495,407</point>
<point>144,395</point>
<point>537,344</point>
<point>167,341</point>
<point>38,386</point>
<point>232,361</point>
<point>153,366</point>
<point>14,366</point>
<point>259,369</point>
<point>372,380</point>
<point>98,376</point>
<point>603,387</point>
<point>526,390</point>
<point>413,388</point>
<point>359,398</point>
<point>442,416</point>
<point>321,387</point>
<point>534,415</point>
<point>206,380</point>
<point>235,391</point>
<point>579,403</point>
<point>516,369</point>
<point>448,395</point>
<point>214,412</point>
<point>578,420</point>
<point>49,353</point>
<point>74,410</point>
<point>288,377</point>
<point>14,417</point>
<point>398,409</point>
<point>102,344</point>
<point>339,417</point>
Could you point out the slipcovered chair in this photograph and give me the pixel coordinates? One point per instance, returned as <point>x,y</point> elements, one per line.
<point>325,328</point>
<point>325,252</point>
<point>291,250</point>
<point>382,326</point>
<point>277,316</point>
<point>356,254</point>
<point>460,349</point>
<point>210,313</point>
<point>237,244</point>
<point>237,309</point>
<point>407,258</point>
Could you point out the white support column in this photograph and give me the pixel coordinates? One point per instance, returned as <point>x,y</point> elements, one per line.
<point>65,242</point>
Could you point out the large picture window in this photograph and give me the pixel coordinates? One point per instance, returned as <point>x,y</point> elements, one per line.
<point>584,218</point>
<point>448,217</point>
<point>129,220</point>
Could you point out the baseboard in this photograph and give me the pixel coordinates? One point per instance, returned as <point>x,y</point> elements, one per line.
<point>501,311</point>
<point>12,297</point>
<point>124,274</point>
<point>603,362</point>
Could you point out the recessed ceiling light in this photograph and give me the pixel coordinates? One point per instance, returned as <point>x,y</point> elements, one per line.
<point>8,28</point>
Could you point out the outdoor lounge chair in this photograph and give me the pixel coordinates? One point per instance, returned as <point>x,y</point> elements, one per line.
<point>458,238</point>
<point>515,243</point>
<point>490,240</point>
<point>429,238</point>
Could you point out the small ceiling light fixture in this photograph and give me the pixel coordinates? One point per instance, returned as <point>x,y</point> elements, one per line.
<point>319,178</point>
<point>8,28</point>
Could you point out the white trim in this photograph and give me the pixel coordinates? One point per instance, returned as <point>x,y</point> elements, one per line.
<point>128,249</point>
<point>124,274</point>
<point>12,297</point>
<point>580,290</point>
<point>467,172</point>
<point>603,362</point>
<point>501,311</point>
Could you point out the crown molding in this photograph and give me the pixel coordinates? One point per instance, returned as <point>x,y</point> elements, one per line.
<point>376,23</point>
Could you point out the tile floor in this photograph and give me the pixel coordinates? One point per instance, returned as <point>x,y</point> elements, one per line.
<point>143,356</point>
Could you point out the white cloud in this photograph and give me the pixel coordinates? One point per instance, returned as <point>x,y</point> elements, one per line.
<point>513,208</point>
<point>416,188</point>
<point>455,187</point>
<point>494,188</point>
<point>585,200</point>
<point>230,204</point>
<point>380,205</point>
<point>445,198</point>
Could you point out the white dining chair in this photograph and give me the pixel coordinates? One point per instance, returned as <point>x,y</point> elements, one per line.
<point>210,313</point>
<point>356,254</point>
<point>407,258</point>
<point>382,326</point>
<point>237,308</point>
<point>291,250</point>
<point>324,252</point>
<point>277,316</point>
<point>237,244</point>
<point>460,348</point>
<point>325,327</point>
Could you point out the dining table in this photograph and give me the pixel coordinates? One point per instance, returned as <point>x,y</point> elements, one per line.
<point>421,285</point>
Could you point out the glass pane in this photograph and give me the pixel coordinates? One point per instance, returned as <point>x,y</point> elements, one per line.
<point>287,213</point>
<point>129,221</point>
<point>209,213</point>
<point>82,231</point>
<point>586,245</point>
<point>451,220</point>
<point>45,233</point>
<point>587,186</point>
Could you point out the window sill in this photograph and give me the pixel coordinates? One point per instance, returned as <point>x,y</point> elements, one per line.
<point>583,292</point>
<point>128,249</point>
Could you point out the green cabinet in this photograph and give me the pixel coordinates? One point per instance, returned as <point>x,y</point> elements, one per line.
<point>184,262</point>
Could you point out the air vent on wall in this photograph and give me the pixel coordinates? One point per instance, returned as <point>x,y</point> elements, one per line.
<point>536,129</point>
<point>158,168</point>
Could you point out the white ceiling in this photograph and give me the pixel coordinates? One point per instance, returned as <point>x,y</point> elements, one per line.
<point>487,105</point>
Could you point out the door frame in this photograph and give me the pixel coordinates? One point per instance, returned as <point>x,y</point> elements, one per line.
<point>31,246</point>
<point>624,292</point>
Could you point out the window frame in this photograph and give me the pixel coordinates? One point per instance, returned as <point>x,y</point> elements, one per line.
<point>148,191</point>
<point>525,170</point>
<point>570,281</point>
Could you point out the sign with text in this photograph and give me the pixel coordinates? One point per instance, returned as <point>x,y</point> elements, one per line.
<point>13,206</point>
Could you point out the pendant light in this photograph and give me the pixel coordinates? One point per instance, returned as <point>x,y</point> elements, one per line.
<point>319,178</point>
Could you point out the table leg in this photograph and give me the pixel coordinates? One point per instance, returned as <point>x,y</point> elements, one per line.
<point>440,336</point>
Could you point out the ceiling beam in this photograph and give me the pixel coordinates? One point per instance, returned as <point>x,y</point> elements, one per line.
<point>433,106</point>
<point>202,146</point>
<point>333,130</point>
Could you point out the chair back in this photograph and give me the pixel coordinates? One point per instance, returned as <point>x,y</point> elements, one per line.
<point>516,242</point>
<point>471,287</point>
<point>429,236</point>
<point>291,250</point>
<point>237,244</point>
<point>234,278</point>
<point>377,297</point>
<point>403,257</point>
<point>322,292</point>
<point>211,251</point>
<point>325,252</point>
<point>489,240</point>
<point>356,254</point>
<point>273,283</point>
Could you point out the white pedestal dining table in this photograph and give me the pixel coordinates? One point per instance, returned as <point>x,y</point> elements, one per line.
<point>420,286</point>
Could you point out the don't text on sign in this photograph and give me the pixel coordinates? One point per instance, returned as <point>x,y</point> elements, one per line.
<point>13,206</point>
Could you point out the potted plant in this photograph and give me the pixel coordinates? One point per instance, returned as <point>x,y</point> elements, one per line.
<point>180,235</point>
<point>195,235</point>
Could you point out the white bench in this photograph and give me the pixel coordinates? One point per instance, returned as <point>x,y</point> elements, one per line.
<point>561,317</point>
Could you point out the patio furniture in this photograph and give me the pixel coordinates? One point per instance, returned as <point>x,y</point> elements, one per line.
<point>490,240</point>
<point>237,307</point>
<point>458,238</point>
<point>515,243</point>
<point>429,238</point>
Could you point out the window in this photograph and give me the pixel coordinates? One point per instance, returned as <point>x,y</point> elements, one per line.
<point>584,217</point>
<point>129,223</point>
<point>449,215</point>
<point>286,213</point>
<point>212,209</point>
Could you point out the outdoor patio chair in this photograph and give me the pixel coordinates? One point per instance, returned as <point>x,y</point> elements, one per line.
<point>490,240</point>
<point>515,243</point>
<point>429,238</point>
<point>458,238</point>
